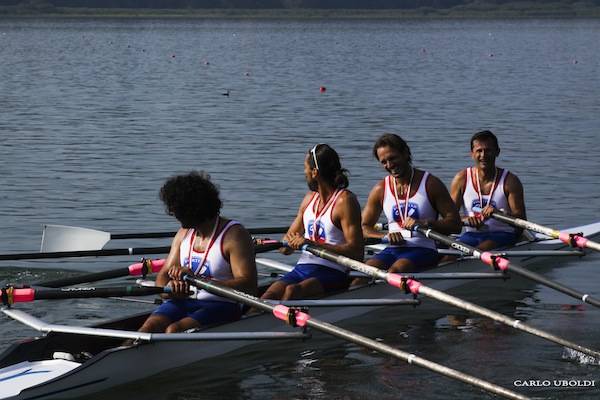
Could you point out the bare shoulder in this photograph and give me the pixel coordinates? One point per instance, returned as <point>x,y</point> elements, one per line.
<point>307,198</point>
<point>434,184</point>
<point>512,179</point>
<point>178,238</point>
<point>378,190</point>
<point>348,199</point>
<point>460,177</point>
<point>237,233</point>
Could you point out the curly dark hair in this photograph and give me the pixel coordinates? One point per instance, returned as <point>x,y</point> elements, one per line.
<point>329,165</point>
<point>192,198</point>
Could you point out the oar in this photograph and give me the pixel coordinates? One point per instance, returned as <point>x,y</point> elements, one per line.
<point>142,268</point>
<point>504,264</point>
<point>73,238</point>
<point>572,239</point>
<point>298,318</point>
<point>11,295</point>
<point>416,287</point>
<point>262,246</point>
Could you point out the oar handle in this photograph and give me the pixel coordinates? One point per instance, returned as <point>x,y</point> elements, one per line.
<point>11,295</point>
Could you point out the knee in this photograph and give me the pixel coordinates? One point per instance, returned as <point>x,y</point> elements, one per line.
<point>402,266</point>
<point>173,328</point>
<point>290,292</point>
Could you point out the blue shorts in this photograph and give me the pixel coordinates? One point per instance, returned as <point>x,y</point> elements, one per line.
<point>331,279</point>
<point>500,238</point>
<point>420,257</point>
<point>206,312</point>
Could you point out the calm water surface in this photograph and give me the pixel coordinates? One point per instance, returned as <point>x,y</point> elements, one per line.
<point>95,114</point>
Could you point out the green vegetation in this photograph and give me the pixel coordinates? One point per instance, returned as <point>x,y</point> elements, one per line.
<point>267,9</point>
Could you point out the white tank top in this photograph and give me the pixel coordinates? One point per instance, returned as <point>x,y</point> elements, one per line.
<point>419,207</point>
<point>321,229</point>
<point>212,265</point>
<point>471,198</point>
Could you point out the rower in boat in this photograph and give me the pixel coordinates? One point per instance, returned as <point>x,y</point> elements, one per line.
<point>407,196</point>
<point>206,245</point>
<point>488,188</point>
<point>329,216</point>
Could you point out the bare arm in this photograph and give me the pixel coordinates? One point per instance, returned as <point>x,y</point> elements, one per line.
<point>516,198</point>
<point>372,211</point>
<point>456,192</point>
<point>239,249</point>
<point>448,221</point>
<point>346,215</point>
<point>172,263</point>
<point>297,227</point>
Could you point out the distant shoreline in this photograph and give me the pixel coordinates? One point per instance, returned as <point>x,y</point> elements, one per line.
<point>509,10</point>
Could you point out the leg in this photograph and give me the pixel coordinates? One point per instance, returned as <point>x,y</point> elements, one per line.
<point>182,325</point>
<point>487,245</point>
<point>309,288</point>
<point>403,265</point>
<point>155,323</point>
<point>374,262</point>
<point>275,291</point>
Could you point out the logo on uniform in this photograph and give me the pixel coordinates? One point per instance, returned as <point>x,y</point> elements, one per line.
<point>204,271</point>
<point>476,203</point>
<point>320,236</point>
<point>413,212</point>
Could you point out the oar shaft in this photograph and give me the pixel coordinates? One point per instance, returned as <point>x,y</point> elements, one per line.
<point>515,323</point>
<point>416,287</point>
<point>504,264</point>
<point>303,319</point>
<point>110,252</point>
<point>158,235</point>
<point>87,253</point>
<point>573,239</point>
<point>142,268</point>
<point>17,295</point>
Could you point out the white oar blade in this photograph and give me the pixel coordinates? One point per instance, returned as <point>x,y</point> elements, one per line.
<point>72,238</point>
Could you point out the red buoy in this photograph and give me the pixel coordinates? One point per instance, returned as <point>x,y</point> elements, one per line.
<point>322,89</point>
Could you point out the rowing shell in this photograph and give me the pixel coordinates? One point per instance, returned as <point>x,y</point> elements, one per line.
<point>28,370</point>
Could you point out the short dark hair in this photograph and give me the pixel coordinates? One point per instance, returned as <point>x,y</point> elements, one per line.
<point>485,135</point>
<point>391,140</point>
<point>330,166</point>
<point>192,198</point>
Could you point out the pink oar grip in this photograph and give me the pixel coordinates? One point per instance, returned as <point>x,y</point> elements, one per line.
<point>280,311</point>
<point>23,295</point>
<point>565,237</point>
<point>396,280</point>
<point>136,269</point>
<point>501,262</point>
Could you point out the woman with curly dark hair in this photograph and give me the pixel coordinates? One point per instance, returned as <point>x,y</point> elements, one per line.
<point>207,245</point>
<point>329,216</point>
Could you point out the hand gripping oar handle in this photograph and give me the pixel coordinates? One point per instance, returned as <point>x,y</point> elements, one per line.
<point>503,264</point>
<point>11,295</point>
<point>411,285</point>
<point>572,239</point>
<point>299,318</point>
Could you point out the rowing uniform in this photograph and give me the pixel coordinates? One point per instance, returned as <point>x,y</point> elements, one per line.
<point>420,250</point>
<point>502,234</point>
<point>319,227</point>
<point>203,306</point>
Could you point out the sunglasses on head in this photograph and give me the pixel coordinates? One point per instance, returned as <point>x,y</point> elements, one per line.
<point>313,151</point>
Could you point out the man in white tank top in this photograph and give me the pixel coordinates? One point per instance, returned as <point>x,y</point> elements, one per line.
<point>488,187</point>
<point>206,245</point>
<point>407,196</point>
<point>329,216</point>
